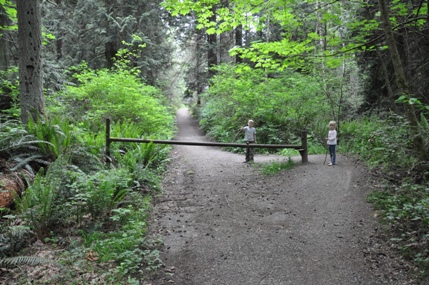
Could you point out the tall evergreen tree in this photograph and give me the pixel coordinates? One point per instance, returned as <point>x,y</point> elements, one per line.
<point>4,41</point>
<point>30,60</point>
<point>94,31</point>
<point>402,82</point>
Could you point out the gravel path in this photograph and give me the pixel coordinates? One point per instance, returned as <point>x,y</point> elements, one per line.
<point>223,222</point>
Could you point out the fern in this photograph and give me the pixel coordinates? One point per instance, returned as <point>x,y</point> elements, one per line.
<point>423,122</point>
<point>23,162</point>
<point>54,135</point>
<point>26,260</point>
<point>17,145</point>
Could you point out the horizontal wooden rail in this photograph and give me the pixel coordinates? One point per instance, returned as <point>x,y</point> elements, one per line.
<point>113,139</point>
<point>301,148</point>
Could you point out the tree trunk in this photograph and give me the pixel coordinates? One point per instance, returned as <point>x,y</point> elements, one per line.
<point>418,142</point>
<point>226,40</point>
<point>389,88</point>
<point>59,42</point>
<point>238,41</point>
<point>30,61</point>
<point>110,50</point>
<point>199,69</point>
<point>4,43</point>
<point>212,47</point>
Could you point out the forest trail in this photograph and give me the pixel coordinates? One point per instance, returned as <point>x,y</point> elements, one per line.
<point>225,223</point>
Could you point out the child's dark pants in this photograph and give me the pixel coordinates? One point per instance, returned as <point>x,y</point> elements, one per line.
<point>250,151</point>
<point>332,153</point>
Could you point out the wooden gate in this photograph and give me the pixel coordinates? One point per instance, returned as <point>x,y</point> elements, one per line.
<point>301,148</point>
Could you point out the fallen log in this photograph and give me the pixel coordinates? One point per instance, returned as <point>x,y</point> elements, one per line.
<point>12,185</point>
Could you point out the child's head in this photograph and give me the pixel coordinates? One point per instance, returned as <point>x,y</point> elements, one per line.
<point>332,125</point>
<point>250,123</point>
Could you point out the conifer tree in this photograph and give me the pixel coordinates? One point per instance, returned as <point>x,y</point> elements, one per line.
<point>30,60</point>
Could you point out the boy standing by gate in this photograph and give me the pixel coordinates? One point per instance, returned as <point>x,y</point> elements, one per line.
<point>249,138</point>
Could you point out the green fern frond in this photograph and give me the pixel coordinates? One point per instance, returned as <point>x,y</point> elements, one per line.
<point>27,260</point>
<point>423,122</point>
<point>18,232</point>
<point>24,161</point>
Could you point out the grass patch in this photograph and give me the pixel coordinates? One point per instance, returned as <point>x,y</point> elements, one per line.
<point>275,167</point>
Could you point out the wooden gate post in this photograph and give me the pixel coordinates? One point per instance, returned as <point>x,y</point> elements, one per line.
<point>108,141</point>
<point>304,150</point>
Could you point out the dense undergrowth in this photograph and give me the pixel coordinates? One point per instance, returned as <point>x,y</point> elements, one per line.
<point>96,212</point>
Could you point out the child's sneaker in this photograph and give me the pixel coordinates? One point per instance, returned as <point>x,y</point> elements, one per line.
<point>330,164</point>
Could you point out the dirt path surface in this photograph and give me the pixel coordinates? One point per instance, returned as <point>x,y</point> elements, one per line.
<point>223,222</point>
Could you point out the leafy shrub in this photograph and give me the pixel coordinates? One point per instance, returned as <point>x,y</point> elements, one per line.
<point>383,143</point>
<point>98,194</point>
<point>144,163</point>
<point>9,83</point>
<point>117,95</point>
<point>76,191</point>
<point>281,105</point>
<point>275,167</point>
<point>65,194</point>
<point>38,203</point>
<point>405,209</point>
<point>125,245</point>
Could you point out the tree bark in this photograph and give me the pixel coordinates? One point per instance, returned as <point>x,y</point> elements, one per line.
<point>110,50</point>
<point>30,61</point>
<point>200,64</point>
<point>212,47</point>
<point>418,141</point>
<point>389,88</point>
<point>238,41</point>
<point>4,43</point>
<point>59,42</point>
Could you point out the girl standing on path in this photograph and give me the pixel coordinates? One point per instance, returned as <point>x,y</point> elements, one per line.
<point>332,141</point>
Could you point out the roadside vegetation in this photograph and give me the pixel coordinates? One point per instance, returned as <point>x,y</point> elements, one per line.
<point>89,215</point>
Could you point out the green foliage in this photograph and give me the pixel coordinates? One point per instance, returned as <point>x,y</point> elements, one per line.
<point>116,95</point>
<point>54,134</point>
<point>65,194</point>
<point>20,147</point>
<point>39,201</point>
<point>405,208</point>
<point>26,260</point>
<point>9,85</point>
<point>77,192</point>
<point>12,237</point>
<point>9,9</point>
<point>144,163</point>
<point>126,57</point>
<point>294,44</point>
<point>383,143</point>
<point>124,246</point>
<point>275,167</point>
<point>415,102</point>
<point>98,194</point>
<point>281,104</point>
